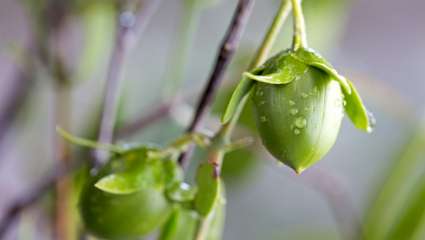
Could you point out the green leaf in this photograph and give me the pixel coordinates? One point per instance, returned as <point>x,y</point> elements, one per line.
<point>395,191</point>
<point>413,215</point>
<point>243,89</point>
<point>134,171</point>
<point>215,230</point>
<point>274,78</point>
<point>356,110</point>
<point>181,225</point>
<point>310,57</point>
<point>87,142</point>
<point>208,189</point>
<point>118,184</point>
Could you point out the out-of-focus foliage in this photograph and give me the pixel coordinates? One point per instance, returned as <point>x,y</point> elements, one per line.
<point>398,211</point>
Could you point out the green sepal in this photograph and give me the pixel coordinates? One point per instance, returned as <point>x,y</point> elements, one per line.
<point>181,225</point>
<point>215,230</point>
<point>356,110</point>
<point>275,78</point>
<point>118,184</point>
<point>311,58</point>
<point>136,171</point>
<point>244,87</point>
<point>181,192</point>
<point>208,189</point>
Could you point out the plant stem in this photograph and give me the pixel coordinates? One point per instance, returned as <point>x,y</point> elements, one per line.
<point>272,34</point>
<point>227,50</point>
<point>261,55</point>
<point>300,37</point>
<point>129,27</point>
<point>64,222</point>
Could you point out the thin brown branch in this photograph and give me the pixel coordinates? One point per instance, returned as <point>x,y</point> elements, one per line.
<point>17,96</point>
<point>225,55</point>
<point>130,25</point>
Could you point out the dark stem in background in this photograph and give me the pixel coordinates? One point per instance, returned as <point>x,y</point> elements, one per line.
<point>17,96</point>
<point>226,52</point>
<point>130,25</point>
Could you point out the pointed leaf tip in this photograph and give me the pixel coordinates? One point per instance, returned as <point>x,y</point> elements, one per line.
<point>116,184</point>
<point>357,112</point>
<point>241,90</point>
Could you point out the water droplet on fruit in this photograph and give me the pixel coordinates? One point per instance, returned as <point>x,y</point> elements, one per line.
<point>300,122</point>
<point>293,111</point>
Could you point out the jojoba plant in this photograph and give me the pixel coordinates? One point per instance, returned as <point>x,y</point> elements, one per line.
<point>299,101</point>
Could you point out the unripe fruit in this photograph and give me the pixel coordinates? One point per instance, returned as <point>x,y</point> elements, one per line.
<point>299,122</point>
<point>299,101</point>
<point>122,216</point>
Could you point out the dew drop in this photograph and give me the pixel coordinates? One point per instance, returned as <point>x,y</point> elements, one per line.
<point>372,121</point>
<point>300,122</point>
<point>291,103</point>
<point>297,132</point>
<point>293,111</point>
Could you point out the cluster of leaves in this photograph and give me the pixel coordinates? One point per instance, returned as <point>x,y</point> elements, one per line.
<point>145,186</point>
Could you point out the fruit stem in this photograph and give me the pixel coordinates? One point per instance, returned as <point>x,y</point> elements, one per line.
<point>300,37</point>
<point>272,34</point>
<point>260,57</point>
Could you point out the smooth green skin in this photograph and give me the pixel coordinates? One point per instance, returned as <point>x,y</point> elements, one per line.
<point>208,189</point>
<point>313,99</point>
<point>181,225</point>
<point>122,216</point>
<point>216,228</point>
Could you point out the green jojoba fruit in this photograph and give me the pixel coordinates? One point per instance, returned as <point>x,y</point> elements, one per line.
<point>118,203</point>
<point>299,100</point>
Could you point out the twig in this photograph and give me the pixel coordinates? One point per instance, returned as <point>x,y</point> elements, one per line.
<point>17,96</point>
<point>129,28</point>
<point>227,50</point>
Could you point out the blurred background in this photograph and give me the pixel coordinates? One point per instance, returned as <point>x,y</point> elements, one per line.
<point>370,181</point>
